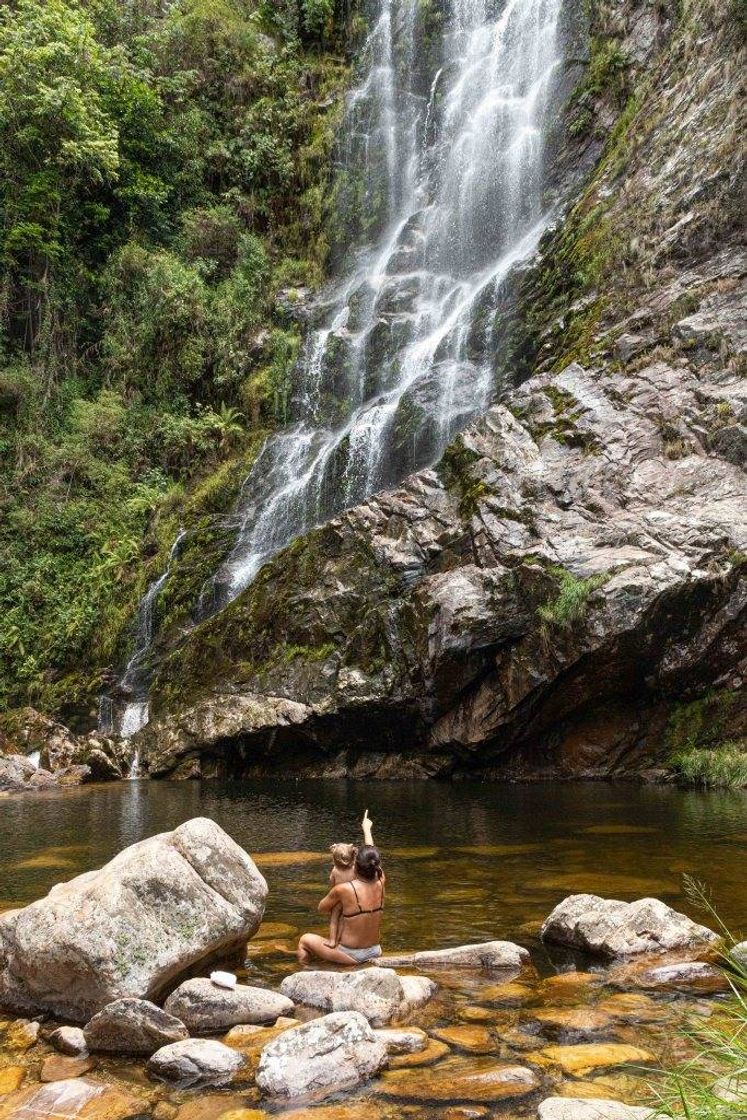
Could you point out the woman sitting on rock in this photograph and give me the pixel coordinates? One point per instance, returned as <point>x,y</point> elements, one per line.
<point>362,904</point>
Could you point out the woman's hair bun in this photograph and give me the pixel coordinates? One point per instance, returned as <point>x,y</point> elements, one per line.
<point>368,863</point>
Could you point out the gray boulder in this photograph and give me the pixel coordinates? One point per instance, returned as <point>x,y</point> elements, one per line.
<point>203,1006</point>
<point>376,993</point>
<point>571,1108</point>
<point>325,1056</point>
<point>485,955</point>
<point>134,927</point>
<point>133,1026</point>
<point>196,1061</point>
<point>15,773</point>
<point>417,991</point>
<point>620,929</point>
<point>70,1041</point>
<point>739,954</point>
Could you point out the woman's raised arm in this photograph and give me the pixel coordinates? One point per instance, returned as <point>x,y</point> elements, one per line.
<point>367,826</point>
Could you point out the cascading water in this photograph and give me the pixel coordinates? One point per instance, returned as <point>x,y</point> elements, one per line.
<point>442,173</point>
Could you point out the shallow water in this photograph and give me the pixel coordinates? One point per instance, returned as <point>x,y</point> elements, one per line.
<point>464,862</point>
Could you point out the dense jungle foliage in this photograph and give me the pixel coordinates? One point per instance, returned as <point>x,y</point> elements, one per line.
<point>164,174</point>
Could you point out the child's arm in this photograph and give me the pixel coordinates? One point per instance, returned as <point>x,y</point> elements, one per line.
<point>330,900</point>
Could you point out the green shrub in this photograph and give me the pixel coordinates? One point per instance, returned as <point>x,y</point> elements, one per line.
<point>722,767</point>
<point>572,598</point>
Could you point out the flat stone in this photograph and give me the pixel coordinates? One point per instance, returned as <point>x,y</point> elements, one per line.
<point>433,1053</point>
<point>69,1040</point>
<point>410,1041</point>
<point>511,993</point>
<point>376,993</point>
<point>580,1020</point>
<point>133,1026</point>
<point>475,1040</point>
<point>632,1007</point>
<point>583,1058</point>
<point>568,1108</point>
<point>324,1056</point>
<point>464,1112</point>
<point>217,1106</point>
<point>196,1062</point>
<point>203,1006</point>
<point>11,1078</point>
<point>74,1099</point>
<point>619,929</point>
<point>22,1034</point>
<point>477,1014</point>
<point>485,955</point>
<point>58,1067</point>
<point>698,977</point>
<point>451,1082</point>
<point>133,927</point>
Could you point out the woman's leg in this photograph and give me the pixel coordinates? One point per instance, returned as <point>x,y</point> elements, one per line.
<point>312,945</point>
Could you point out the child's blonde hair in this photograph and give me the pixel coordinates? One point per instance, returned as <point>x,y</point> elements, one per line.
<point>343,855</point>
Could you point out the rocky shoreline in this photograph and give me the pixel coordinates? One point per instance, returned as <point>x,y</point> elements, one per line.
<point>114,964</point>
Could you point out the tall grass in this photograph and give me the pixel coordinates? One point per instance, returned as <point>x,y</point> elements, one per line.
<point>712,1085</point>
<point>722,767</point>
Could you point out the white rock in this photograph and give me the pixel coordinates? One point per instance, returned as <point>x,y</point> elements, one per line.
<point>197,1061</point>
<point>133,927</point>
<point>133,1026</point>
<point>203,1006</point>
<point>376,993</point>
<point>324,1056</point>
<point>417,990</point>
<point>571,1108</point>
<point>485,955</point>
<point>224,979</point>
<point>739,954</point>
<point>403,1041</point>
<point>69,1040</point>
<point>620,929</point>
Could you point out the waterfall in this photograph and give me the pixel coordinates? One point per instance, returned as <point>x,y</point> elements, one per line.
<point>134,683</point>
<point>35,759</point>
<point>440,196</point>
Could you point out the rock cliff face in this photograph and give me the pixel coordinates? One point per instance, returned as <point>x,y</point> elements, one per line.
<point>574,567</point>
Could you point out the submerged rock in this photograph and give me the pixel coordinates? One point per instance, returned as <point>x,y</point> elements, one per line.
<point>133,1026</point>
<point>133,927</point>
<point>78,1097</point>
<point>678,976</point>
<point>569,1108</point>
<point>410,1041</point>
<point>325,1056</point>
<point>580,1059</point>
<point>59,1067</point>
<point>204,1006</point>
<point>377,994</point>
<point>455,1082</point>
<point>619,929</point>
<point>486,955</point>
<point>195,1062</point>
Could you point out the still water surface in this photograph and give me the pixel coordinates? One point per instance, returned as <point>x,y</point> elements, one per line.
<point>465,863</point>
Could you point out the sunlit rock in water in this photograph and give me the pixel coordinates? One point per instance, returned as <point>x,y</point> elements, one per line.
<point>619,929</point>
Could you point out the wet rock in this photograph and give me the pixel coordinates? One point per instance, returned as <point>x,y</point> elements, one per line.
<point>42,779</point>
<point>418,990</point>
<point>11,1078</point>
<point>133,927</point>
<point>739,954</point>
<point>619,929</point>
<point>584,1057</point>
<point>487,955</point>
<point>205,1007</point>
<point>325,1056</point>
<point>473,1039</point>
<point>410,1041</point>
<point>454,1082</point>
<point>679,976</point>
<point>74,775</point>
<point>102,767</point>
<point>378,994</point>
<point>582,1020</point>
<point>59,1068</point>
<point>133,1026</point>
<point>568,1108</point>
<point>510,994</point>
<point>196,1062</point>
<point>22,1034</point>
<point>15,773</point>
<point>69,1040</point>
<point>632,1007</point>
<point>78,1097</point>
<point>432,1053</point>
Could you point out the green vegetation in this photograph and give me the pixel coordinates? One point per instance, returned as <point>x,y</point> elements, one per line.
<point>572,599</point>
<point>702,745</point>
<point>700,1087</point>
<point>163,174</point>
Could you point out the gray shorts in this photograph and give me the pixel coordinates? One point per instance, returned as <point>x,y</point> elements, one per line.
<point>360,956</point>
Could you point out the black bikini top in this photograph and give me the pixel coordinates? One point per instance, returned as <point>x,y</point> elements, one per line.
<point>376,909</point>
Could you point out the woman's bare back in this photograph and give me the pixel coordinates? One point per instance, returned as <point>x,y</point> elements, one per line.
<point>363,905</point>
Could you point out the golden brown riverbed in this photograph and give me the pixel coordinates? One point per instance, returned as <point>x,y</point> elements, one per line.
<point>465,863</point>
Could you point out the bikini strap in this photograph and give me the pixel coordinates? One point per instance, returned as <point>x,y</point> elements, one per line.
<point>358,901</point>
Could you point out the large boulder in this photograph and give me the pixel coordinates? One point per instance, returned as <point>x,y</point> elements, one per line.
<point>15,773</point>
<point>485,955</point>
<point>134,927</point>
<point>377,993</point>
<point>133,1026</point>
<point>620,929</point>
<point>322,1057</point>
<point>203,1006</point>
<point>196,1062</point>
